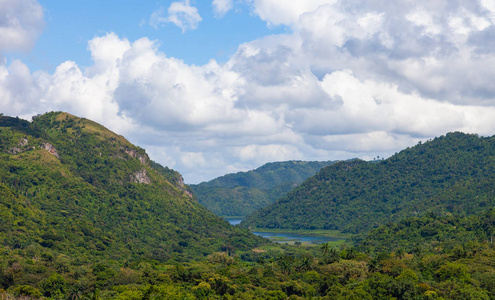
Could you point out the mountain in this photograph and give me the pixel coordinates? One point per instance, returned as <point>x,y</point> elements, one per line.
<point>70,186</point>
<point>243,193</point>
<point>449,174</point>
<point>84,214</point>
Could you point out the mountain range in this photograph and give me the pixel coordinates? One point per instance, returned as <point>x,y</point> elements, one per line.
<point>84,214</point>
<point>243,193</point>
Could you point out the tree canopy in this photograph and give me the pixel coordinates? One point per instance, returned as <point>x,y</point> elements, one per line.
<point>449,174</point>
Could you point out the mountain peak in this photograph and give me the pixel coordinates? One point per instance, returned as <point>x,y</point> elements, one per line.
<point>92,191</point>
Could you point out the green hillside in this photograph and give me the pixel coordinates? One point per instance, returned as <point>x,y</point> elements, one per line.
<point>450,174</point>
<point>243,193</point>
<point>86,215</point>
<point>72,187</point>
<point>431,233</point>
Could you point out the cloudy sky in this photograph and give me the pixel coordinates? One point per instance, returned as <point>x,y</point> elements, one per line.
<point>214,87</point>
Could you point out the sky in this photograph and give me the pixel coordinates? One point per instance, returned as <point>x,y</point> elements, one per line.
<point>216,87</point>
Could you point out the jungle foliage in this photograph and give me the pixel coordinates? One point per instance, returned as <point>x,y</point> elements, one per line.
<point>71,186</point>
<point>84,214</point>
<point>243,193</point>
<point>389,263</point>
<point>452,174</point>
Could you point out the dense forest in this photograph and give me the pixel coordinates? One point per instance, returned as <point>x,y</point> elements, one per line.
<point>392,262</point>
<point>69,185</point>
<point>452,174</point>
<point>243,193</point>
<point>84,214</point>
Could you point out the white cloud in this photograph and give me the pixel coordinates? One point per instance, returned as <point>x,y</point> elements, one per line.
<point>21,22</point>
<point>182,14</point>
<point>193,159</point>
<point>490,6</point>
<point>221,7</point>
<point>267,153</point>
<point>361,78</point>
<point>280,12</point>
<point>17,89</point>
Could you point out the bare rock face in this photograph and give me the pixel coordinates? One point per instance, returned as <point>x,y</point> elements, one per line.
<point>135,154</point>
<point>23,142</point>
<point>22,147</point>
<point>15,151</point>
<point>180,182</point>
<point>141,177</point>
<point>49,147</point>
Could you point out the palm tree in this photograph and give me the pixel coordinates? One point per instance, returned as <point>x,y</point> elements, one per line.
<point>325,247</point>
<point>351,253</point>
<point>306,263</point>
<point>333,256</point>
<point>94,296</point>
<point>285,266</point>
<point>285,263</point>
<point>373,265</point>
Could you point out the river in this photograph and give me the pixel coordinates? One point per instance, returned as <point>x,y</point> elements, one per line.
<point>288,237</point>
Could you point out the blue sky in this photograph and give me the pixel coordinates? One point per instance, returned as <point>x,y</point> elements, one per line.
<point>215,87</point>
<point>69,25</point>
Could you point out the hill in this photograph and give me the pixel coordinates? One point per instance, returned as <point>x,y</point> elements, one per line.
<point>243,193</point>
<point>431,233</point>
<point>449,174</point>
<point>69,186</point>
<point>86,215</point>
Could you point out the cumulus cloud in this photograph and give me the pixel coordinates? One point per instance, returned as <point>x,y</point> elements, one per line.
<point>21,22</point>
<point>360,78</point>
<point>279,12</point>
<point>221,7</point>
<point>182,14</point>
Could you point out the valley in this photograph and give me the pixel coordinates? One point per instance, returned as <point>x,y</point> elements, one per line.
<point>296,236</point>
<point>87,215</point>
<point>243,193</point>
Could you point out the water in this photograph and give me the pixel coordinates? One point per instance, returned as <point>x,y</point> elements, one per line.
<point>234,221</point>
<point>287,237</point>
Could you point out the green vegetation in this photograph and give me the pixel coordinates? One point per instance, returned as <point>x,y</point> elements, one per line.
<point>84,214</point>
<point>424,269</point>
<point>452,174</point>
<point>431,233</point>
<point>243,193</point>
<point>71,186</point>
<point>316,232</point>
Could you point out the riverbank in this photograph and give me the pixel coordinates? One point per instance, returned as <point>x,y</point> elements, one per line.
<point>313,232</point>
<point>294,236</point>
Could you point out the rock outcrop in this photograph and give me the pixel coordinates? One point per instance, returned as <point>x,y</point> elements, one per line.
<point>49,147</point>
<point>136,154</point>
<point>141,177</point>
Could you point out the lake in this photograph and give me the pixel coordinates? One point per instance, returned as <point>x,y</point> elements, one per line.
<point>288,237</point>
<point>234,221</point>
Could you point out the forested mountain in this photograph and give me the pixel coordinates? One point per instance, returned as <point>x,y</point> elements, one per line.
<point>243,193</point>
<point>449,174</point>
<point>70,186</point>
<point>84,214</point>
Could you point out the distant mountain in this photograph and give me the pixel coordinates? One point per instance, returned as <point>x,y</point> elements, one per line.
<point>450,174</point>
<point>68,185</point>
<point>243,193</point>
